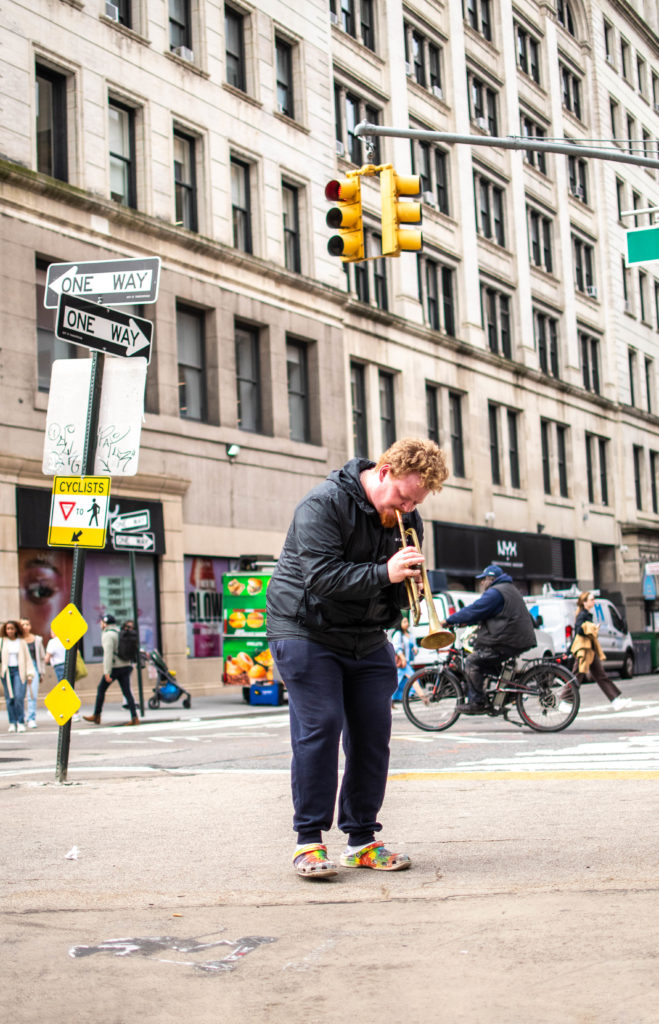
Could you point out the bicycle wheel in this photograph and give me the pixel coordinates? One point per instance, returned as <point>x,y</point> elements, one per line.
<point>430,698</point>
<point>551,699</point>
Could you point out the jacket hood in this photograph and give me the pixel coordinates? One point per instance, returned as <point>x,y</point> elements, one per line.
<point>503,578</point>
<point>348,479</point>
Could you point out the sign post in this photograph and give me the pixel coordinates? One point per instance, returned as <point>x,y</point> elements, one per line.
<point>89,454</point>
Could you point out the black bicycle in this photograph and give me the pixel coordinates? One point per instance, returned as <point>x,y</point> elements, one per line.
<point>544,693</point>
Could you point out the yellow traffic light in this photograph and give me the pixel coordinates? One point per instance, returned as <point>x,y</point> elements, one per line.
<point>347,218</point>
<point>396,239</point>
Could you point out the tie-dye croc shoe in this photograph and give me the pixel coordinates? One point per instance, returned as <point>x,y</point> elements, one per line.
<point>377,857</point>
<point>312,862</point>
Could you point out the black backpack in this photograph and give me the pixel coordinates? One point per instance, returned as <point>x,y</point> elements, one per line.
<point>128,648</point>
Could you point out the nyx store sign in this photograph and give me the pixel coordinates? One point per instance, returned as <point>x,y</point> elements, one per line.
<point>466,550</point>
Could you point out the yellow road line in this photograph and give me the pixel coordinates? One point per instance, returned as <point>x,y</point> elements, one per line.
<point>535,775</point>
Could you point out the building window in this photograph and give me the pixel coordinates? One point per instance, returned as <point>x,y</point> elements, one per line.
<point>620,195</point>
<point>423,60</point>
<point>554,456</point>
<point>597,469</point>
<point>654,465</point>
<point>583,267</point>
<point>358,400</point>
<point>495,318</point>
<point>631,365</point>
<point>546,342</point>
<point>643,295</point>
<point>614,116</point>
<point>190,330</point>
<point>241,205</point>
<point>291,213</point>
<point>571,85</point>
<point>436,293</point>
<point>479,15</point>
<point>656,302</point>
<point>432,412</point>
<point>577,178</point>
<point>387,409</point>
<point>649,384</point>
<point>349,110</point>
<point>528,53</point>
<point>608,41</point>
<point>641,76</point>
<point>631,133</point>
<point>625,286</point>
<point>540,245</point>
<point>638,487</point>
<point>284,62</point>
<point>532,130</point>
<point>513,449</point>
<point>234,29</point>
<point>431,164</point>
<point>489,209</point>
<point>350,18</point>
<point>180,32</point>
<point>370,275</point>
<point>457,438</point>
<point>624,59</point>
<point>248,378</point>
<point>123,187</point>
<point>590,358</point>
<point>298,390</point>
<point>546,456</point>
<point>185,183</point>
<point>495,458</point>
<point>125,12</point>
<point>482,105</point>
<point>51,123</point>
<point>565,16</point>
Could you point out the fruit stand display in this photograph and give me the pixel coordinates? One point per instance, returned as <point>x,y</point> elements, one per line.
<point>247,660</point>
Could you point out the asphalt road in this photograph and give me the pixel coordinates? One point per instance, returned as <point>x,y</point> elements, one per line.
<point>248,739</point>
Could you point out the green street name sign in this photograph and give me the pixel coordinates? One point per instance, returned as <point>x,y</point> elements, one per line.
<point>643,245</point>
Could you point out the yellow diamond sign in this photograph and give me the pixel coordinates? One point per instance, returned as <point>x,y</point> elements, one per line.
<point>62,702</point>
<point>69,626</point>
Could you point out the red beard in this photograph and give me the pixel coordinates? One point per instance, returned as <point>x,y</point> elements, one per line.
<point>388,519</point>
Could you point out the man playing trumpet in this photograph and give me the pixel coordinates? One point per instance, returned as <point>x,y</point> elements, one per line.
<point>338,585</point>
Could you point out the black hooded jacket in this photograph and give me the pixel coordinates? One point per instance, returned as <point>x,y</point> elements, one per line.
<point>331,583</point>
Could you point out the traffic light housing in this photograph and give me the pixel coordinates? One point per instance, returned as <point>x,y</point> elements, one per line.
<point>396,239</point>
<point>346,216</point>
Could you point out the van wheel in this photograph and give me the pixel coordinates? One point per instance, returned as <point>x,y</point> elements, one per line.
<point>627,670</point>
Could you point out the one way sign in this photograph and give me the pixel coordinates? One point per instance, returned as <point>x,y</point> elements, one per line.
<point>112,282</point>
<point>107,330</point>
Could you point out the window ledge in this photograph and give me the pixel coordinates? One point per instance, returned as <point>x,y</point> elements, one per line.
<point>556,501</point>
<point>187,64</point>
<point>291,122</point>
<point>242,95</point>
<point>123,30</point>
<point>78,4</point>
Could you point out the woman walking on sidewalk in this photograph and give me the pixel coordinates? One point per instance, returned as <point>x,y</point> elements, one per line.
<point>586,649</point>
<point>17,672</point>
<point>38,655</point>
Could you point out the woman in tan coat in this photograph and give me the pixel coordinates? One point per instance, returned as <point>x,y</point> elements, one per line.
<point>589,655</point>
<point>17,671</point>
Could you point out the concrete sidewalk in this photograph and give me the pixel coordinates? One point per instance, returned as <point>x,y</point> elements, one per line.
<point>530,901</point>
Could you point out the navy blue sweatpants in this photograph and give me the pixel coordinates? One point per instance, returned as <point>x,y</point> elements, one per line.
<point>331,694</point>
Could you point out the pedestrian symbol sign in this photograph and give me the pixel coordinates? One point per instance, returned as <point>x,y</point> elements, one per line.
<point>79,511</point>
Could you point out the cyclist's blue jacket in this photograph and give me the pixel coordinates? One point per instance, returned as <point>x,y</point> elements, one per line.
<point>505,620</point>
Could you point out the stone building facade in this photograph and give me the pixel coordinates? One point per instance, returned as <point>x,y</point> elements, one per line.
<point>204,133</point>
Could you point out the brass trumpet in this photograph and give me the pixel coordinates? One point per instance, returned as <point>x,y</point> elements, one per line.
<point>437,637</point>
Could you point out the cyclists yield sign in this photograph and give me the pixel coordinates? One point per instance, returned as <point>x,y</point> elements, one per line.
<point>79,511</point>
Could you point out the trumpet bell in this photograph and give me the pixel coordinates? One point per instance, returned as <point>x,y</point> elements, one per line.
<point>435,641</point>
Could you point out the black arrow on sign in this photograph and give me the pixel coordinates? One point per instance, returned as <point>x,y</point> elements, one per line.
<point>77,534</point>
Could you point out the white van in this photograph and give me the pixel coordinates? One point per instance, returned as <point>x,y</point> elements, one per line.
<point>449,601</point>
<point>557,612</point>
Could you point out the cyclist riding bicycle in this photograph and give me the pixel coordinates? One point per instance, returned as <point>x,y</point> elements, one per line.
<point>505,631</point>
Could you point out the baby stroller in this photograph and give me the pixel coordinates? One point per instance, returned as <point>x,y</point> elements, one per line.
<point>166,689</point>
